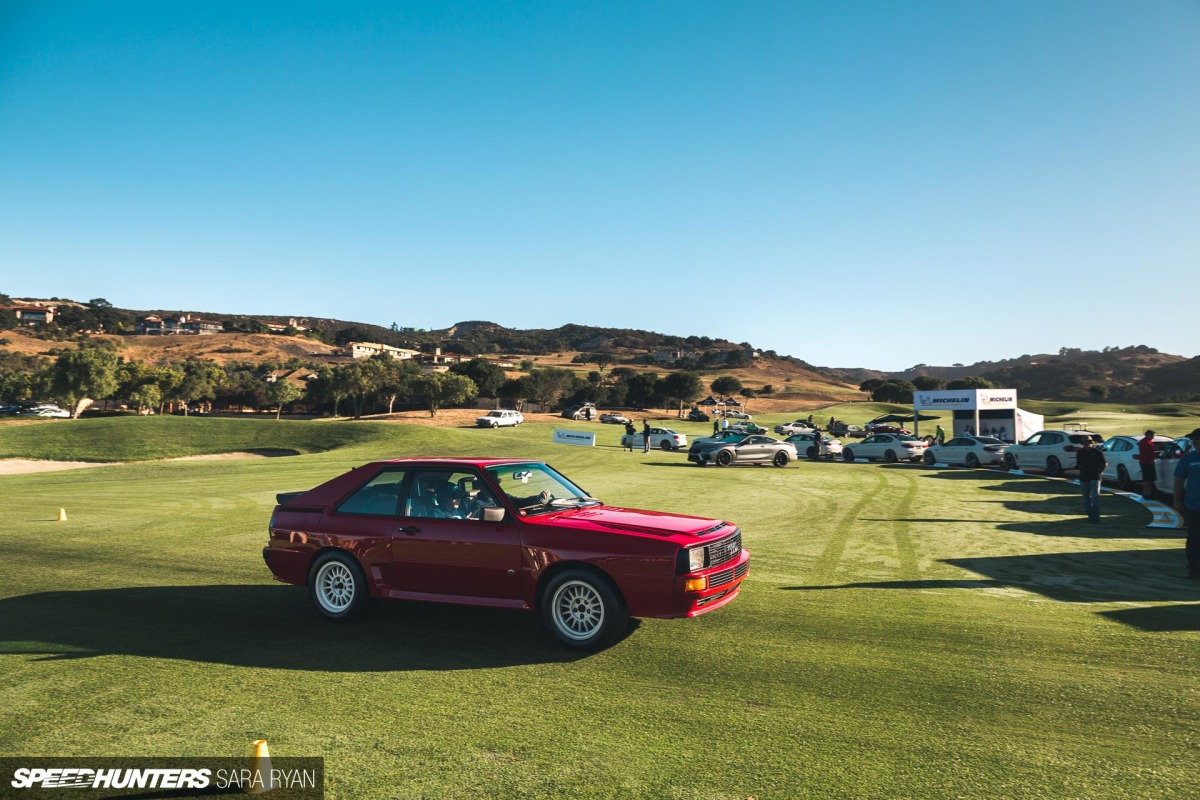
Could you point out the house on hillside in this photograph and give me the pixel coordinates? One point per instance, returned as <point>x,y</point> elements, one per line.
<point>358,350</point>
<point>31,314</point>
<point>671,356</point>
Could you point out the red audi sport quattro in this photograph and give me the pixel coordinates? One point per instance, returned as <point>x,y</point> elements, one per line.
<point>496,532</point>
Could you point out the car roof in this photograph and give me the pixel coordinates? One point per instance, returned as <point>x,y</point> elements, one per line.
<point>442,461</point>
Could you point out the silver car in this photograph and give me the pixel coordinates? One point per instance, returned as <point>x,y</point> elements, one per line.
<point>751,449</point>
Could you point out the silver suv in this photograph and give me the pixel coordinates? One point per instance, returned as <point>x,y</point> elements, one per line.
<point>1052,451</point>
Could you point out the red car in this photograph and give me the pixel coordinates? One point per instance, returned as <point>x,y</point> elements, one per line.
<point>506,533</point>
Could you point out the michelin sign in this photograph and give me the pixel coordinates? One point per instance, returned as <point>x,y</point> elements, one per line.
<point>965,399</point>
<point>577,438</point>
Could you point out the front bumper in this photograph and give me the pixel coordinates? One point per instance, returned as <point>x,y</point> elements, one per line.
<point>722,584</point>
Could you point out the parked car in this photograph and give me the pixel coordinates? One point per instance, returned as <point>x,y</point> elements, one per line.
<point>613,418</point>
<point>745,426</point>
<point>1121,453</point>
<point>1052,451</point>
<point>843,430</point>
<point>876,426</point>
<point>806,444</point>
<point>500,418</point>
<point>44,410</point>
<point>584,411</point>
<point>886,446</point>
<point>661,438</point>
<point>736,414</point>
<point>1169,460</point>
<point>696,415</point>
<point>972,451</point>
<point>799,426</point>
<point>743,450</point>
<point>502,533</point>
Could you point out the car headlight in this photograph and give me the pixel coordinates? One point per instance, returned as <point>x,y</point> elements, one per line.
<point>695,559</point>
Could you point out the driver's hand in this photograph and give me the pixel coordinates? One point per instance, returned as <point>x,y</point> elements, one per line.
<point>545,496</point>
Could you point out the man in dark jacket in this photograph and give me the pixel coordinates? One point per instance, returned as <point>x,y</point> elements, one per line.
<point>1091,463</point>
<point>646,436</point>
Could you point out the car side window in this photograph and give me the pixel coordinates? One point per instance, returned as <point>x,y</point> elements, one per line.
<point>447,494</point>
<point>380,495</point>
<point>1035,439</point>
<point>1051,439</point>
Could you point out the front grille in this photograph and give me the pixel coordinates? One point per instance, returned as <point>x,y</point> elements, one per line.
<point>727,549</point>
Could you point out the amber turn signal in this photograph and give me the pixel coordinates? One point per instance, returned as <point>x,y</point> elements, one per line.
<point>695,584</point>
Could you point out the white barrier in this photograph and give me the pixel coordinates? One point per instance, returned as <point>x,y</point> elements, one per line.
<point>577,438</point>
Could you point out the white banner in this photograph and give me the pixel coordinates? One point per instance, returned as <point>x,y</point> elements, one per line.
<point>577,438</point>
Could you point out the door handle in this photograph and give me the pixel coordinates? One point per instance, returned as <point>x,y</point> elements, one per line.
<point>408,530</point>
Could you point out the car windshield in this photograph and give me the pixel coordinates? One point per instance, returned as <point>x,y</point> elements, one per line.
<point>536,488</point>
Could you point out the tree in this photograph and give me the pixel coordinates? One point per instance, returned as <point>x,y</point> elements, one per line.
<point>870,385</point>
<point>439,389</point>
<point>488,376</point>
<point>929,383</point>
<point>1098,391</point>
<point>201,379</point>
<point>970,382</point>
<point>546,385</point>
<point>893,391</point>
<point>683,387</point>
<point>726,385</point>
<point>395,379</point>
<point>86,373</point>
<point>146,395</point>
<point>280,392</point>
<point>642,390</point>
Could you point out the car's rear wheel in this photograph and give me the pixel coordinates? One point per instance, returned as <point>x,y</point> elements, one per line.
<point>780,459</point>
<point>665,445</point>
<point>1053,467</point>
<point>1010,461</point>
<point>889,456</point>
<point>972,461</point>
<point>1123,477</point>
<point>812,452</point>
<point>724,458</point>
<point>929,459</point>
<point>338,586</point>
<point>847,455</point>
<point>582,610</point>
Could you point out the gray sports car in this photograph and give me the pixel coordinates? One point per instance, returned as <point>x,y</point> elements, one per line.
<point>750,449</point>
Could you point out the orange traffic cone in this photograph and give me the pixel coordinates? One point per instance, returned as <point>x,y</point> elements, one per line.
<point>261,779</point>
<point>62,515</point>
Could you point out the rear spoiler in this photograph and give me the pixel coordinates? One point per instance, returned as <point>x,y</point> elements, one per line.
<point>283,498</point>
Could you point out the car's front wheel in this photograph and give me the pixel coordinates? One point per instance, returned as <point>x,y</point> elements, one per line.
<point>724,458</point>
<point>847,455</point>
<point>582,610</point>
<point>1010,461</point>
<point>1054,467</point>
<point>929,459</point>
<point>338,586</point>
<point>780,460</point>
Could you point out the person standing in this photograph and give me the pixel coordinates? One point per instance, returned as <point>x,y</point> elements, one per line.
<point>716,425</point>
<point>631,432</point>
<point>646,436</point>
<point>1187,502</point>
<point>724,423</point>
<point>939,434</point>
<point>1091,463</point>
<point>1146,461</point>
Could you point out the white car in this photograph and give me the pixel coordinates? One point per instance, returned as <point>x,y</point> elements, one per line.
<point>46,411</point>
<point>888,447</point>
<point>662,438</point>
<point>799,426</point>
<point>973,451</point>
<point>1169,461</point>
<point>1121,453</point>
<point>613,418</point>
<point>1053,451</point>
<point>500,418</point>
<point>806,444</point>
<point>737,415</point>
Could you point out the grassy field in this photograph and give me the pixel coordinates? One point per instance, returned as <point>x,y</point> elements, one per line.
<point>905,632</point>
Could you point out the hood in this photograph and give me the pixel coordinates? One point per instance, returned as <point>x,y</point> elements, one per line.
<point>631,520</point>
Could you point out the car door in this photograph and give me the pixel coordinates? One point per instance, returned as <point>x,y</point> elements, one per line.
<point>753,449</point>
<point>438,550</point>
<point>1050,445</point>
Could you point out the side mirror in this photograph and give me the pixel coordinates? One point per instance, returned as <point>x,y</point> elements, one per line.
<point>493,514</point>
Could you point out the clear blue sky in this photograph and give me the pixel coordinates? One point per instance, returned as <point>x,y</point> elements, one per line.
<point>814,178</point>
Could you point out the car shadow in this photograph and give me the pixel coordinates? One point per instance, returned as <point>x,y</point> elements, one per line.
<point>1086,577</point>
<point>1159,619</point>
<point>272,627</point>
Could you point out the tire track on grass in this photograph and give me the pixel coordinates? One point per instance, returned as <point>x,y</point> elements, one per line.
<point>906,550</point>
<point>831,556</point>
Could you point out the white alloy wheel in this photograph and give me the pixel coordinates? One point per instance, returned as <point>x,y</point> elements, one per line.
<point>334,587</point>
<point>577,610</point>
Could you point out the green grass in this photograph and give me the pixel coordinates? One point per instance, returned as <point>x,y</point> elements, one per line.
<point>904,633</point>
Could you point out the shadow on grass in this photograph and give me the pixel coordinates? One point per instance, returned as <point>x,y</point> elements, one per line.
<point>273,627</point>
<point>1159,619</point>
<point>1111,576</point>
